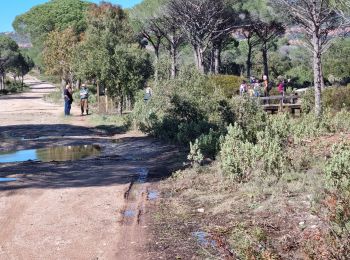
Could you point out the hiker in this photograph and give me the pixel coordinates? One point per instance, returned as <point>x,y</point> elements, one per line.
<point>256,87</point>
<point>148,94</point>
<point>266,86</point>
<point>84,99</point>
<point>280,87</point>
<point>68,100</point>
<point>243,88</point>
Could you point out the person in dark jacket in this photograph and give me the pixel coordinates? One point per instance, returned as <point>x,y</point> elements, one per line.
<point>68,100</point>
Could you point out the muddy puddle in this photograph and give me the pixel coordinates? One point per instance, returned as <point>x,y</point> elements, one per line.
<point>57,153</point>
<point>153,195</point>
<point>203,238</point>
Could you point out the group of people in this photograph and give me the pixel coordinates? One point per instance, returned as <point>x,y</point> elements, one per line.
<point>84,99</point>
<point>256,88</point>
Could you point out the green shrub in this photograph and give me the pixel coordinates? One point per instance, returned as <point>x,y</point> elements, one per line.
<point>14,87</point>
<point>209,144</point>
<point>308,101</point>
<point>237,154</point>
<point>337,168</point>
<point>308,126</point>
<point>180,110</point>
<point>340,122</point>
<point>195,154</point>
<point>333,98</point>
<point>249,115</point>
<point>229,84</point>
<point>271,155</point>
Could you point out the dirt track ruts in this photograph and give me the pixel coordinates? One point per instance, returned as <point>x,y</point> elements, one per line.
<point>72,210</point>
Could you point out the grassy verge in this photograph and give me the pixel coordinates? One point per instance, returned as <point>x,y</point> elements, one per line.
<point>111,124</point>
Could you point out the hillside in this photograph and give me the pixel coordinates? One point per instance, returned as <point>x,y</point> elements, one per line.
<point>22,41</point>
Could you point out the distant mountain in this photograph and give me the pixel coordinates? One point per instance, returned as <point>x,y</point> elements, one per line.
<point>22,41</point>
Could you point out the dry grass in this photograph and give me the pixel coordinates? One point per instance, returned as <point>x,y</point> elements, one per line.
<point>261,219</point>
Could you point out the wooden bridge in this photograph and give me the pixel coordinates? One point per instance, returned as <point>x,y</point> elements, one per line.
<point>274,104</point>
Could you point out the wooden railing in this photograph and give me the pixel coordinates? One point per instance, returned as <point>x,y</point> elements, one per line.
<point>280,103</point>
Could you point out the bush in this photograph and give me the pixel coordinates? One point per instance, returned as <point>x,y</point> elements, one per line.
<point>249,115</point>
<point>333,98</point>
<point>4,92</point>
<point>340,122</point>
<point>237,154</point>
<point>309,126</point>
<point>207,145</point>
<point>181,110</point>
<point>240,153</point>
<point>338,168</point>
<point>229,84</point>
<point>13,87</point>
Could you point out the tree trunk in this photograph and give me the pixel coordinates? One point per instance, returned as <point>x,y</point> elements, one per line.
<point>173,56</point>
<point>317,68</point>
<point>4,81</point>
<point>199,58</point>
<point>156,70</point>
<point>63,85</point>
<point>217,60</point>
<point>265,60</point>
<point>78,84</point>
<point>249,60</point>
<point>98,97</point>
<point>121,104</point>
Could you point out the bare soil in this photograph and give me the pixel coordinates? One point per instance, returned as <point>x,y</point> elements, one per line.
<point>78,209</point>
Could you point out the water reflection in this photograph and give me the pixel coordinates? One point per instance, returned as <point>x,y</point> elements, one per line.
<point>58,153</point>
<point>7,179</point>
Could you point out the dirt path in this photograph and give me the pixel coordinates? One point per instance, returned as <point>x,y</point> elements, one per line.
<point>87,209</point>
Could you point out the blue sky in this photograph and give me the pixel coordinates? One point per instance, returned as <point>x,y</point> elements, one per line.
<point>11,8</point>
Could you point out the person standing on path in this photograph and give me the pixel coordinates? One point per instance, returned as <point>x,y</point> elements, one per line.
<point>68,100</point>
<point>84,99</point>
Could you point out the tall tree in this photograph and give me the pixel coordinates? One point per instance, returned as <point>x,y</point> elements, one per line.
<point>58,54</point>
<point>267,33</point>
<point>317,18</point>
<point>252,41</point>
<point>107,54</point>
<point>9,52</point>
<point>147,21</point>
<point>203,21</point>
<point>55,15</point>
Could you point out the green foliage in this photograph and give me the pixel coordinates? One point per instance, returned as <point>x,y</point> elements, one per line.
<point>335,61</point>
<point>249,115</point>
<point>337,169</point>
<point>237,155</point>
<point>195,154</point>
<point>58,53</point>
<point>12,60</point>
<point>181,110</point>
<point>108,57</point>
<point>55,15</point>
<point>206,146</point>
<point>14,87</point>
<point>229,84</point>
<point>333,98</point>
<point>50,16</point>
<point>241,157</point>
